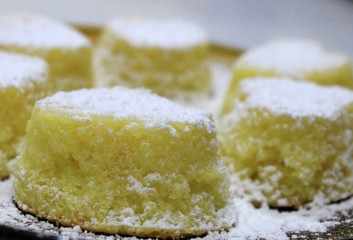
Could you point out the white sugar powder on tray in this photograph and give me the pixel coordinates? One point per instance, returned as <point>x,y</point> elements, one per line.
<point>5,191</point>
<point>264,223</point>
<point>253,223</point>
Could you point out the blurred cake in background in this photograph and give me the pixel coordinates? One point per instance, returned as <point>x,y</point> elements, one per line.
<point>67,52</point>
<point>300,60</point>
<point>292,141</point>
<point>123,161</point>
<point>22,82</point>
<point>167,56</point>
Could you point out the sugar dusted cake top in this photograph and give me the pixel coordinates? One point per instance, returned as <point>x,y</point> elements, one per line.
<point>29,30</point>
<point>292,57</point>
<point>297,99</point>
<point>123,103</point>
<point>158,33</point>
<point>18,70</point>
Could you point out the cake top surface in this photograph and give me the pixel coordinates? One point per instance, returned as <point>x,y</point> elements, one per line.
<point>294,98</point>
<point>29,30</point>
<point>122,103</point>
<point>17,70</point>
<point>169,34</point>
<point>292,57</point>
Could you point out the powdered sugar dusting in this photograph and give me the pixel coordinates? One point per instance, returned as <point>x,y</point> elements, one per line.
<point>124,103</point>
<point>293,58</point>
<point>157,33</point>
<point>253,223</point>
<point>18,70</point>
<point>6,190</point>
<point>297,99</point>
<point>34,31</point>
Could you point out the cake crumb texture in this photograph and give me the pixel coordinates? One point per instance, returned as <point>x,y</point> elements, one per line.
<point>169,57</point>
<point>22,82</point>
<point>67,52</point>
<point>292,140</point>
<point>297,59</point>
<point>322,221</point>
<point>142,165</point>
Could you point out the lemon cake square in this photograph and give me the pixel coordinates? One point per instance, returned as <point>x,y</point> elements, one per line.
<point>22,82</point>
<point>167,56</point>
<point>123,161</point>
<point>296,59</point>
<point>67,52</point>
<point>290,141</point>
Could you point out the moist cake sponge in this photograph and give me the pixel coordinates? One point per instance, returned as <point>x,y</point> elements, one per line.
<point>22,82</point>
<point>291,140</point>
<point>169,57</point>
<point>67,52</point>
<point>123,161</point>
<point>300,60</point>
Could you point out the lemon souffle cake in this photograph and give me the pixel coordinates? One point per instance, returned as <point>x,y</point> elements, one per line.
<point>22,82</point>
<point>67,52</point>
<point>123,161</point>
<point>296,59</point>
<point>291,142</point>
<point>169,57</point>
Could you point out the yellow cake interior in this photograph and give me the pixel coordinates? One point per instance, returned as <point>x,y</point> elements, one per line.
<point>300,60</point>
<point>13,121</point>
<point>22,82</point>
<point>165,67</point>
<point>67,52</point>
<point>290,158</point>
<point>124,176</point>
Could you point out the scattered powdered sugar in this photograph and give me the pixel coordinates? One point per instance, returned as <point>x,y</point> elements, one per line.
<point>253,223</point>
<point>268,223</point>
<point>19,70</point>
<point>294,98</point>
<point>170,34</point>
<point>123,103</point>
<point>34,31</point>
<point>6,190</point>
<point>293,58</point>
